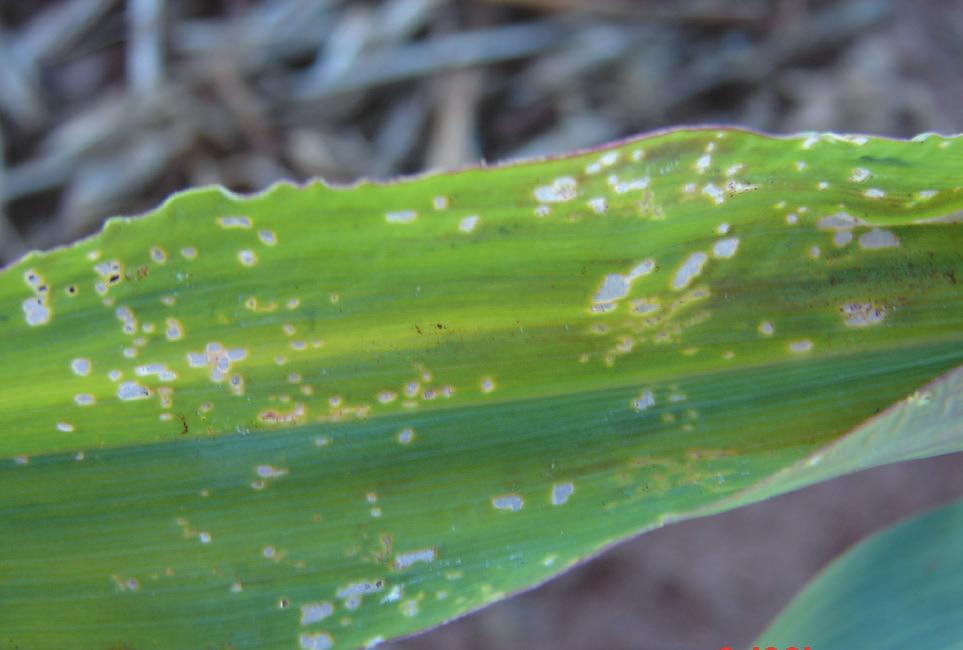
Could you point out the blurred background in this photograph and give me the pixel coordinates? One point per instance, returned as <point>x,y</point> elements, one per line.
<point>108,106</point>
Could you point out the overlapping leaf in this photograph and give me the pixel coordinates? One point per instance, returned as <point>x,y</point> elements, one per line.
<point>900,588</point>
<point>321,417</point>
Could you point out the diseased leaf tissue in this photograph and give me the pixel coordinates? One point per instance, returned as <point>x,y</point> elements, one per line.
<point>324,417</point>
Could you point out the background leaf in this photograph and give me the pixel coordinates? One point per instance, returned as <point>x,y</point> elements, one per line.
<point>325,416</point>
<point>900,588</point>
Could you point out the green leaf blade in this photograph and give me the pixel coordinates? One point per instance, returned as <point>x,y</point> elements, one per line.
<point>458,409</point>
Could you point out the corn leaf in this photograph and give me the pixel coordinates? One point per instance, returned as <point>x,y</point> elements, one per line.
<point>323,417</point>
<point>901,588</point>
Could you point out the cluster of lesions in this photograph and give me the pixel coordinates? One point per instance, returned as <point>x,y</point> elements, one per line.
<point>646,476</point>
<point>160,373</point>
<point>38,308</point>
<point>639,305</point>
<point>617,182</point>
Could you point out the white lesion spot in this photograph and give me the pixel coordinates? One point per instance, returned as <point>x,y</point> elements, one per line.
<point>405,560</point>
<point>804,345</point>
<point>644,401</point>
<point>66,427</point>
<point>267,237</point>
<point>467,224</point>
<point>36,311</point>
<point>173,331</point>
<point>725,248</point>
<point>842,238</point>
<point>33,279</point>
<point>440,202</point>
<point>247,257</point>
<point>487,384</point>
<point>217,358</point>
<point>813,253</point>
<point>509,502</point>
<point>394,595</point>
<point>189,253</point>
<point>353,593</point>
<point>81,366</point>
<point>158,254</point>
<point>607,159</point>
<point>314,612</point>
<point>562,189</point>
<point>110,273</point>
<point>863,314</point>
<point>644,306</point>
<point>874,193</point>
<point>161,370</point>
<point>126,316</point>
<point>204,537</point>
<point>131,390</point>
<point>411,389</point>
<point>234,222</point>
<point>401,216</point>
<point>859,174</point>
<point>561,492</point>
<point>738,187</point>
<point>723,228</point>
<point>841,224</point>
<point>84,399</point>
<point>633,185</point>
<point>766,328</point>
<point>714,192</point>
<point>702,163</point>
<point>315,641</point>
<point>269,471</point>
<point>877,238</point>
<point>615,286</point>
<point>406,435</point>
<point>409,608</point>
<point>598,205</point>
<point>689,270</point>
